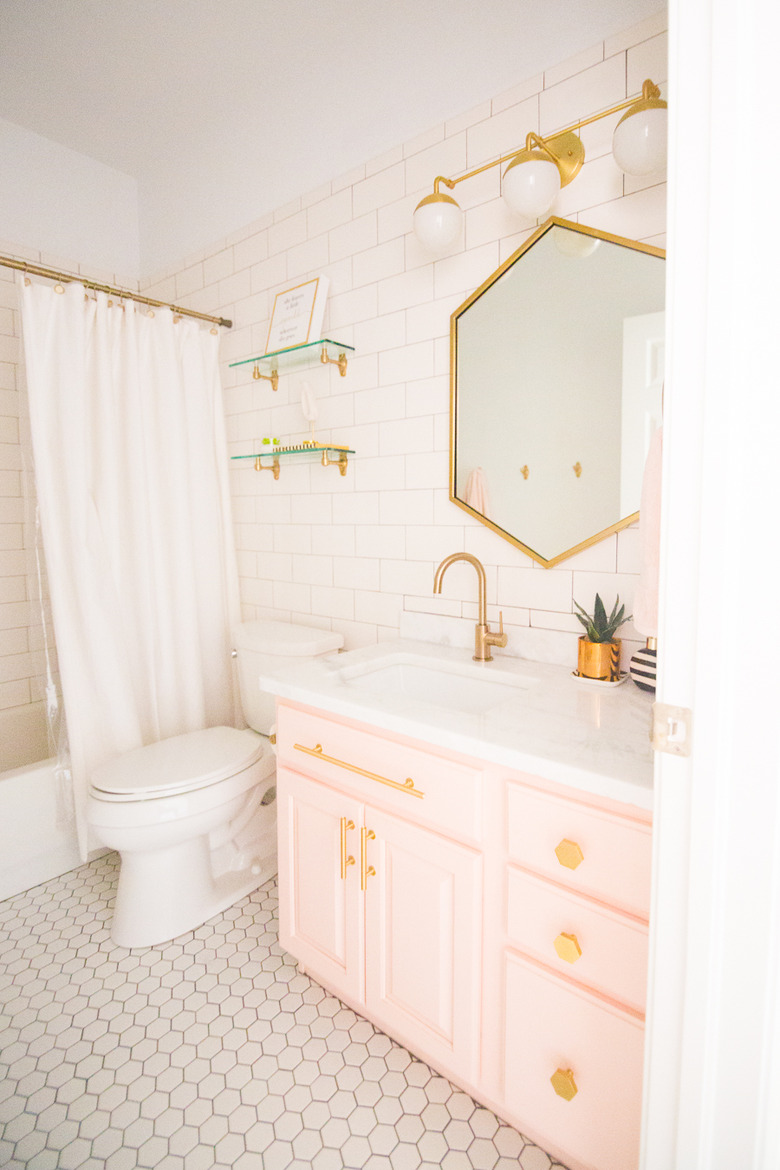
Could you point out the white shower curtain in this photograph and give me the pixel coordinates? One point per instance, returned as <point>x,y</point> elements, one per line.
<point>131,474</point>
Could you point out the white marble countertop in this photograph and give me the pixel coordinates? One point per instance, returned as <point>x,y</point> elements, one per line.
<point>558,727</point>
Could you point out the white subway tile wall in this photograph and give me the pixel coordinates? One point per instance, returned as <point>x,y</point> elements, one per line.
<point>357,553</point>
<point>20,617</point>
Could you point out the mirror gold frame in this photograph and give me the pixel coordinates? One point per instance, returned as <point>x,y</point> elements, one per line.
<point>545,349</point>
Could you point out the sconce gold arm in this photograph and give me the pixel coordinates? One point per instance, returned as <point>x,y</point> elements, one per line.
<point>345,860</point>
<point>317,752</point>
<point>366,871</point>
<point>273,377</point>
<point>558,145</point>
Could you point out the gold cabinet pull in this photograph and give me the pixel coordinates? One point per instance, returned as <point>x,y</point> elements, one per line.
<point>366,871</point>
<point>345,860</point>
<point>564,1084</point>
<point>317,752</point>
<point>567,947</point>
<point>569,853</point>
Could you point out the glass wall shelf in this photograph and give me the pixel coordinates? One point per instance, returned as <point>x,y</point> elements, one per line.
<point>327,351</point>
<point>325,450</point>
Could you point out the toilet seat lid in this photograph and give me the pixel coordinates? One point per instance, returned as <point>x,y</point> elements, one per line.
<point>181,763</point>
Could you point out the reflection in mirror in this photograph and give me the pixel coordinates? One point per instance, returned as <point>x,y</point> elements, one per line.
<point>557,374</point>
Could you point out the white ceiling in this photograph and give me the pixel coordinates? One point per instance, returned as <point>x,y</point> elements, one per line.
<point>225,109</point>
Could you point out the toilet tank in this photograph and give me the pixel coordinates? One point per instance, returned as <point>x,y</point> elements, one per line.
<point>267,646</point>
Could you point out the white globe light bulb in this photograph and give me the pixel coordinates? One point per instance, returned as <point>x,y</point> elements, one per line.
<point>437,221</point>
<point>531,184</point>
<point>639,141</point>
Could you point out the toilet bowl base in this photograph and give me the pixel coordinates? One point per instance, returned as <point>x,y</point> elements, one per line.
<point>170,892</point>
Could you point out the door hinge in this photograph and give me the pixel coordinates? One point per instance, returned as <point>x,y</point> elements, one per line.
<point>671,730</point>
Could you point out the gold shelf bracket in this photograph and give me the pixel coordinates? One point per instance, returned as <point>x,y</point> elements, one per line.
<point>341,462</point>
<point>272,467</point>
<point>273,378</point>
<point>340,361</point>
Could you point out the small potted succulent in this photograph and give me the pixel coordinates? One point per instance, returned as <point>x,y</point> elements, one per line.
<point>598,654</point>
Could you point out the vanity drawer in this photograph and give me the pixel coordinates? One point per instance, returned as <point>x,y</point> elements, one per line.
<point>593,1049</point>
<point>580,939</point>
<point>590,850</point>
<point>413,783</point>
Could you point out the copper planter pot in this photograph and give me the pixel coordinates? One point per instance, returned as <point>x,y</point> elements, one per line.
<point>600,660</point>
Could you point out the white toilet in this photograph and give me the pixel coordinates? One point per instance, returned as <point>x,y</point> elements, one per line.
<point>193,817</point>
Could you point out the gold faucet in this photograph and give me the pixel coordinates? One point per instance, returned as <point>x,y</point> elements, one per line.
<point>484,637</point>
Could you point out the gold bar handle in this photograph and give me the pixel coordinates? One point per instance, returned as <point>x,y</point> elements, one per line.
<point>366,871</point>
<point>317,752</point>
<point>564,1084</point>
<point>345,860</point>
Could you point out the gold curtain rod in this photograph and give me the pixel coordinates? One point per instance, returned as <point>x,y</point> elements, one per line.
<point>69,277</point>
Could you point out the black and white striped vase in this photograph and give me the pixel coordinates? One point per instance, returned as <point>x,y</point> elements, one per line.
<point>642,666</point>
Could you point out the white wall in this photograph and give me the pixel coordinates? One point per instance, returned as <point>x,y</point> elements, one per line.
<point>66,205</point>
<point>356,553</point>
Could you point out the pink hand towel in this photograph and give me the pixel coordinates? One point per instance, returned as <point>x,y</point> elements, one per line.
<point>646,596</point>
<point>476,492</point>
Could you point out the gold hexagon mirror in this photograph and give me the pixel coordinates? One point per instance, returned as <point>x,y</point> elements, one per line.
<point>556,387</point>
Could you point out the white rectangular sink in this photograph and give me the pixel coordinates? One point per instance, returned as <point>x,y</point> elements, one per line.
<point>473,688</point>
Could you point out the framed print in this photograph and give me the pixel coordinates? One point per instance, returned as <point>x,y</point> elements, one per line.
<point>297,315</point>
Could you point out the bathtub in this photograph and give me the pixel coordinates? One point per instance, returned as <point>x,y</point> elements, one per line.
<point>35,844</point>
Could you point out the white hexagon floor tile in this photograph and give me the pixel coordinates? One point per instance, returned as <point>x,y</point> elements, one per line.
<point>212,1051</point>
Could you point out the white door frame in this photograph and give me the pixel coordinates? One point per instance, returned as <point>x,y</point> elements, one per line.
<point>712,1085</point>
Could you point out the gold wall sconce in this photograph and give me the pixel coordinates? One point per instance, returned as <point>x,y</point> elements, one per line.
<point>538,171</point>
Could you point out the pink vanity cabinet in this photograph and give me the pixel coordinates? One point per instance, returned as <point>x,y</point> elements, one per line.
<point>494,923</point>
<point>380,881</point>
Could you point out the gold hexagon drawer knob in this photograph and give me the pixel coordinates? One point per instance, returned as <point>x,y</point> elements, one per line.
<point>567,947</point>
<point>569,853</point>
<point>564,1084</point>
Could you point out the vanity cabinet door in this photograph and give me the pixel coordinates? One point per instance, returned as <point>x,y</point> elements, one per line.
<point>320,907</point>
<point>423,953</point>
